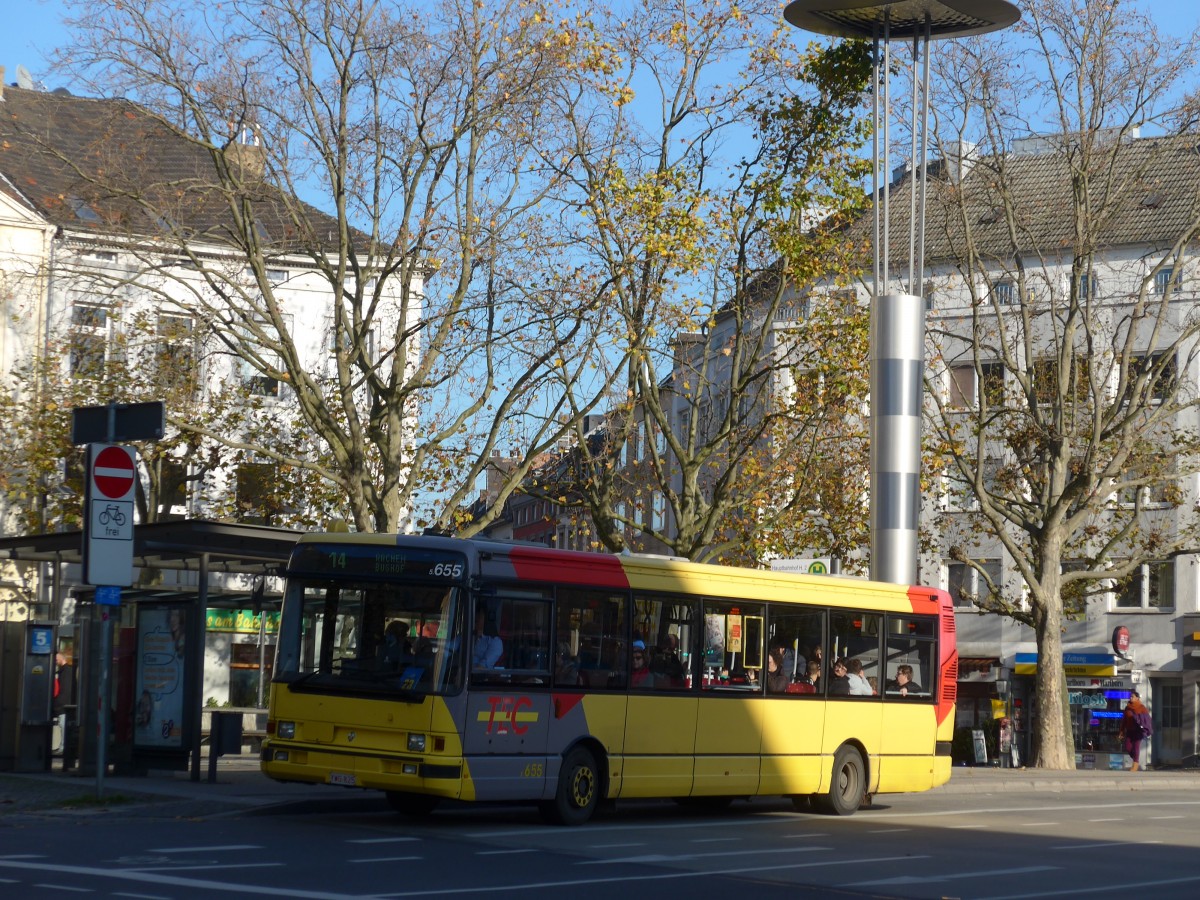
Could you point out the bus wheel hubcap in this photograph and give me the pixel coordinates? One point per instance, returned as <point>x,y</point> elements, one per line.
<point>583,786</point>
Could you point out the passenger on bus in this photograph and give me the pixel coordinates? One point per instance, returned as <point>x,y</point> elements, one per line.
<point>566,666</point>
<point>793,664</point>
<point>640,675</point>
<point>813,676</point>
<point>904,684</point>
<point>666,666</point>
<point>777,676</point>
<point>859,686</point>
<point>396,647</point>
<point>487,648</point>
<point>839,684</point>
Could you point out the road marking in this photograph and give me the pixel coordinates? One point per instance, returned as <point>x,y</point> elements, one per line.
<point>614,846</point>
<point>766,819</point>
<point>509,851</point>
<point>642,877</point>
<point>1106,820</point>
<point>159,879</point>
<point>379,859</point>
<point>1107,844</point>
<point>680,857</point>
<point>140,896</point>
<point>1000,810</point>
<point>204,849</point>
<point>1165,817</point>
<point>950,876</point>
<point>960,827</point>
<point>728,840</point>
<point>1133,888</point>
<point>889,830</point>
<point>64,887</point>
<point>386,840</point>
<point>207,866</point>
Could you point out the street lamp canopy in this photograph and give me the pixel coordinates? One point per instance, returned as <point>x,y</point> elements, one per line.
<point>904,18</point>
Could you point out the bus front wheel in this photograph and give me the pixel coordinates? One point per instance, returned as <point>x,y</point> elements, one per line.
<point>578,791</point>
<point>411,804</point>
<point>848,785</point>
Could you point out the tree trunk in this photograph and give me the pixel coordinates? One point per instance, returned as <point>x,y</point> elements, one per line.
<point>1056,745</point>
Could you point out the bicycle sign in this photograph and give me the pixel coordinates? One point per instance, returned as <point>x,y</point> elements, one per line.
<point>111,513</point>
<point>112,486</point>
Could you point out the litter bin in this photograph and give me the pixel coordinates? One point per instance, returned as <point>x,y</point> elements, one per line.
<point>225,734</point>
<point>224,738</point>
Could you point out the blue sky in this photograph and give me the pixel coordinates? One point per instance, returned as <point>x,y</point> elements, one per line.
<point>33,29</point>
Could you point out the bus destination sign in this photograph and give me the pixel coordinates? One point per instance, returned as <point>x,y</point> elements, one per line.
<point>377,561</point>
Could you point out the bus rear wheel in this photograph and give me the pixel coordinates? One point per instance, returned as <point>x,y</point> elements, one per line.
<point>848,785</point>
<point>578,792</point>
<point>411,804</point>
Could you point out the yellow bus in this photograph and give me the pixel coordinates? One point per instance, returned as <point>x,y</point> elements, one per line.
<point>433,668</point>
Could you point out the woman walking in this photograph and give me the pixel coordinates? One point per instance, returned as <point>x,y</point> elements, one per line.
<point>1135,728</point>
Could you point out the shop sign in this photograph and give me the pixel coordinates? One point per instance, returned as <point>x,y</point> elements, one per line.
<point>1120,640</point>
<point>239,621</point>
<point>1087,699</point>
<point>1074,664</point>
<point>1098,683</point>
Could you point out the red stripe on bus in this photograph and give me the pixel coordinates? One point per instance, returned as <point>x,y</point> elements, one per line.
<point>564,703</point>
<point>568,567</point>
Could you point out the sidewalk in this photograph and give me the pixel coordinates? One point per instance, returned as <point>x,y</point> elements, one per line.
<point>994,780</point>
<point>240,786</point>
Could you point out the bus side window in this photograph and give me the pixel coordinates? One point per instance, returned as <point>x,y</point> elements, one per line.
<point>730,662</point>
<point>589,634</point>
<point>911,650</point>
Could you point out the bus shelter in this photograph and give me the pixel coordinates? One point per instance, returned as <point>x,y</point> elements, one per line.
<point>198,584</point>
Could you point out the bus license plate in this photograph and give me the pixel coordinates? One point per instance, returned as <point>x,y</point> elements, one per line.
<point>343,778</point>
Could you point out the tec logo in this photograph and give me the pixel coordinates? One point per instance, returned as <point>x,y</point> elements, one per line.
<point>505,715</point>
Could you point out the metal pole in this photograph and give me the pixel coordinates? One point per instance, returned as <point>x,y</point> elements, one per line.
<point>886,263</point>
<point>875,198</point>
<point>924,157</point>
<point>917,166</point>
<point>103,700</point>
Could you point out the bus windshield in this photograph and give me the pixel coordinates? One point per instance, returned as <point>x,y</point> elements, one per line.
<point>356,637</point>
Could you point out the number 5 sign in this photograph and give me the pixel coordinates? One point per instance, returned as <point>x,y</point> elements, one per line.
<point>108,520</point>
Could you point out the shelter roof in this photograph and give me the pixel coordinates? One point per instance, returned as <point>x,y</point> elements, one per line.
<point>180,545</point>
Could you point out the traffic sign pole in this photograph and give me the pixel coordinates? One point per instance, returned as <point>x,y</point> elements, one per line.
<point>108,563</point>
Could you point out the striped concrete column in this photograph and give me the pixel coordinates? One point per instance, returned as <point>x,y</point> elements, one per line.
<point>897,363</point>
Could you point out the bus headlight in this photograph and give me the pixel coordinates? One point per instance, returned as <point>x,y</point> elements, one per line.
<point>286,730</point>
<point>416,743</point>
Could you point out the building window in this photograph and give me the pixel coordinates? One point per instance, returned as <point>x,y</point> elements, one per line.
<point>258,500</point>
<point>1169,704</point>
<point>965,585</point>
<point>1151,586</point>
<point>1164,279</point>
<point>89,340</point>
<point>175,354</point>
<point>965,390</point>
<point>256,381</point>
<point>1004,292</point>
<point>1089,286</point>
<point>1159,370</point>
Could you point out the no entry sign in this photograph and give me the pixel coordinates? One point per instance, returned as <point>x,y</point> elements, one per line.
<point>108,516</point>
<point>113,473</point>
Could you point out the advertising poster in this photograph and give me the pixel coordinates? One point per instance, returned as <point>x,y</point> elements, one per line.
<point>158,712</point>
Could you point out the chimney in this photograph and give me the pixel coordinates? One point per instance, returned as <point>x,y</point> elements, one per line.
<point>246,156</point>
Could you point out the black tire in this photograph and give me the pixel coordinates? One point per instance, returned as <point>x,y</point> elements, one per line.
<point>578,792</point>
<point>848,785</point>
<point>412,804</point>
